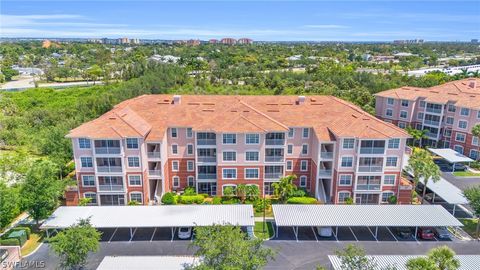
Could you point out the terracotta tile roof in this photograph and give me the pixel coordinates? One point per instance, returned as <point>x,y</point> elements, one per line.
<point>151,115</point>
<point>464,93</point>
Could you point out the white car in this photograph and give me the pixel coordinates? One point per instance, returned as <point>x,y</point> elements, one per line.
<point>184,232</point>
<point>325,231</point>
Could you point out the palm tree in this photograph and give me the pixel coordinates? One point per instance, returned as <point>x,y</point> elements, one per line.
<point>473,196</point>
<point>440,258</point>
<point>421,165</point>
<point>476,133</point>
<point>418,135</point>
<point>252,192</point>
<point>241,191</point>
<point>284,188</point>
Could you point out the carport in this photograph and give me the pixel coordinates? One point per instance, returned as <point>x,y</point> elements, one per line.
<point>147,262</point>
<point>374,216</point>
<point>135,217</point>
<point>451,156</point>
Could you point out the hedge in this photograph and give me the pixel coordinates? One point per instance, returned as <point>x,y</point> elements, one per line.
<point>169,198</point>
<point>20,228</point>
<point>217,200</point>
<point>9,242</point>
<point>186,199</point>
<point>302,200</point>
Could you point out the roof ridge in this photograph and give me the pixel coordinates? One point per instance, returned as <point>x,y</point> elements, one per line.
<point>263,114</point>
<point>248,120</point>
<point>126,122</point>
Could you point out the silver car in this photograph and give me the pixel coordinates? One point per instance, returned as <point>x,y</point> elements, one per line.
<point>442,233</point>
<point>184,232</point>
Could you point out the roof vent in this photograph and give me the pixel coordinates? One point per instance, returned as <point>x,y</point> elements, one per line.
<point>472,83</point>
<point>177,99</point>
<point>300,100</point>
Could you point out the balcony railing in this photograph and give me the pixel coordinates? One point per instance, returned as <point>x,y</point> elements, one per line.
<point>431,134</point>
<point>327,155</point>
<point>109,168</point>
<point>204,176</point>
<point>368,187</point>
<point>206,159</point>
<point>273,175</point>
<point>273,159</point>
<point>324,172</point>
<point>370,168</point>
<point>107,150</point>
<point>433,110</point>
<point>206,141</point>
<point>275,141</point>
<point>110,187</point>
<point>155,172</point>
<point>372,150</point>
<point>153,154</point>
<point>431,123</point>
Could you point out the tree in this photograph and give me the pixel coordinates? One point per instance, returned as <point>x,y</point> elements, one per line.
<point>440,258</point>
<point>421,165</point>
<point>228,247</point>
<point>73,244</point>
<point>284,188</point>
<point>41,189</point>
<point>420,263</point>
<point>473,196</point>
<point>418,135</point>
<point>476,133</point>
<point>94,72</point>
<point>354,258</point>
<point>252,192</point>
<point>9,204</point>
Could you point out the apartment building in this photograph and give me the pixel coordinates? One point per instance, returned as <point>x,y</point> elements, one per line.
<point>448,111</point>
<point>154,144</point>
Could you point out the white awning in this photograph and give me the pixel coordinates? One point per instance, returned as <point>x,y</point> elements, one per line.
<point>363,215</point>
<point>450,155</point>
<point>152,216</point>
<point>145,262</point>
<point>467,262</point>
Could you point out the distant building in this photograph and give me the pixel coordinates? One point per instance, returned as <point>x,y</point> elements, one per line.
<point>294,57</point>
<point>245,41</point>
<point>213,41</point>
<point>46,44</point>
<point>475,40</point>
<point>164,58</point>
<point>123,40</point>
<point>228,41</point>
<point>408,41</point>
<point>193,42</point>
<point>134,41</point>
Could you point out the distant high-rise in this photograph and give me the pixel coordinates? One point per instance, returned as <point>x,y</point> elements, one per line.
<point>244,41</point>
<point>213,41</point>
<point>228,41</point>
<point>408,41</point>
<point>124,40</point>
<point>193,42</point>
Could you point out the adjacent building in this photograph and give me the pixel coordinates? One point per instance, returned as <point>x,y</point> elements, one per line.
<point>448,112</point>
<point>153,144</point>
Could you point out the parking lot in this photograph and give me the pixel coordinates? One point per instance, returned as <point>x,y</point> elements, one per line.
<point>140,234</point>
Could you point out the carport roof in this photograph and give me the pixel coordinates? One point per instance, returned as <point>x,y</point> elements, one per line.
<point>152,216</point>
<point>363,215</point>
<point>467,262</point>
<point>450,155</point>
<point>145,262</point>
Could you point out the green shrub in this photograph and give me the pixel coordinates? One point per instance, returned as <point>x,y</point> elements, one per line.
<point>217,200</point>
<point>302,200</point>
<point>189,191</point>
<point>299,193</point>
<point>205,195</point>
<point>392,199</point>
<point>197,199</point>
<point>475,165</point>
<point>133,203</point>
<point>169,198</point>
<point>258,205</point>
<point>349,200</point>
<point>21,228</point>
<point>10,242</point>
<point>230,200</point>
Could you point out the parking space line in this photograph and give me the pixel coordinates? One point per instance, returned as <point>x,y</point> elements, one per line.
<point>353,233</point>
<point>132,235</point>
<point>335,233</point>
<point>153,235</point>
<point>372,234</point>
<point>392,234</point>
<point>435,238</point>
<point>314,234</point>
<point>113,234</point>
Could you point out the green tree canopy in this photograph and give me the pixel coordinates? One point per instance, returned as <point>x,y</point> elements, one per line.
<point>285,188</point>
<point>421,165</point>
<point>473,196</point>
<point>354,258</point>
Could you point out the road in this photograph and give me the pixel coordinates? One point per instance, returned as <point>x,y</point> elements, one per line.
<point>26,82</point>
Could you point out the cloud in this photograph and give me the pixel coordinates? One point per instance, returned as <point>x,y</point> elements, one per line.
<point>326,26</point>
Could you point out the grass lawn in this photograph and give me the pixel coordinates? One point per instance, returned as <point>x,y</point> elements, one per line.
<point>268,213</point>
<point>470,225</point>
<point>466,173</point>
<point>258,230</point>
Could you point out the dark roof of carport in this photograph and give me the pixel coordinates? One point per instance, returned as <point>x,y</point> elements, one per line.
<point>363,215</point>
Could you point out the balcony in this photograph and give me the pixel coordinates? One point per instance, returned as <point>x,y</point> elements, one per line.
<point>274,159</point>
<point>370,168</point>
<point>275,141</point>
<point>155,172</point>
<point>206,142</point>
<point>107,150</point>
<point>372,150</point>
<point>326,155</point>
<point>368,187</point>
<point>207,159</point>
<point>325,172</point>
<point>431,123</point>
<point>207,176</point>
<point>107,187</point>
<point>433,110</point>
<point>155,154</point>
<point>275,175</point>
<point>109,168</point>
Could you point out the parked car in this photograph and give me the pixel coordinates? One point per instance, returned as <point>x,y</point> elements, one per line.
<point>425,233</point>
<point>184,232</point>
<point>325,231</point>
<point>404,233</point>
<point>442,233</point>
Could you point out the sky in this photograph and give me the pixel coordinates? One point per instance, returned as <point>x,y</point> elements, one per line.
<point>260,20</point>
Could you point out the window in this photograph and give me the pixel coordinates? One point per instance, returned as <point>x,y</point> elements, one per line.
<point>404,103</point>
<point>447,133</point>
<point>475,140</point>
<point>88,180</point>
<point>474,154</point>
<point>460,137</point>
<point>191,181</point>
<point>418,126</point>
<point>174,149</point>
<point>291,132</point>
<point>133,162</point>
<point>458,148</point>
<point>390,101</point>
<point>174,132</point>
<point>386,195</point>
<point>391,162</point>
<point>305,149</point>
<point>132,143</point>
<point>303,181</point>
<point>403,114</point>
<point>289,165</point>
<point>135,180</point>
<point>402,125</point>
<point>478,114</point>
<point>251,173</point>
<point>189,133</point>
<point>389,112</point>
<point>420,116</point>
<point>464,112</point>
<point>175,166</point>
<point>451,108</point>
<point>86,162</point>
<point>304,165</point>
<point>176,181</point>
<point>190,166</point>
<point>422,104</point>
<point>189,149</point>
<point>462,124</point>
<point>348,143</point>
<point>393,143</point>
<point>305,133</point>
<point>229,156</point>
<point>229,138</point>
<point>251,156</point>
<point>449,121</point>
<point>229,173</point>
<point>389,179</point>
<point>345,180</point>
<point>136,197</point>
<point>92,196</point>
<point>252,139</point>
<point>84,143</point>
<point>342,196</point>
<point>289,149</point>
<point>347,162</point>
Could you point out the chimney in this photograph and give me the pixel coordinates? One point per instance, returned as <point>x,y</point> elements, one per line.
<point>300,100</point>
<point>472,83</point>
<point>177,99</point>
